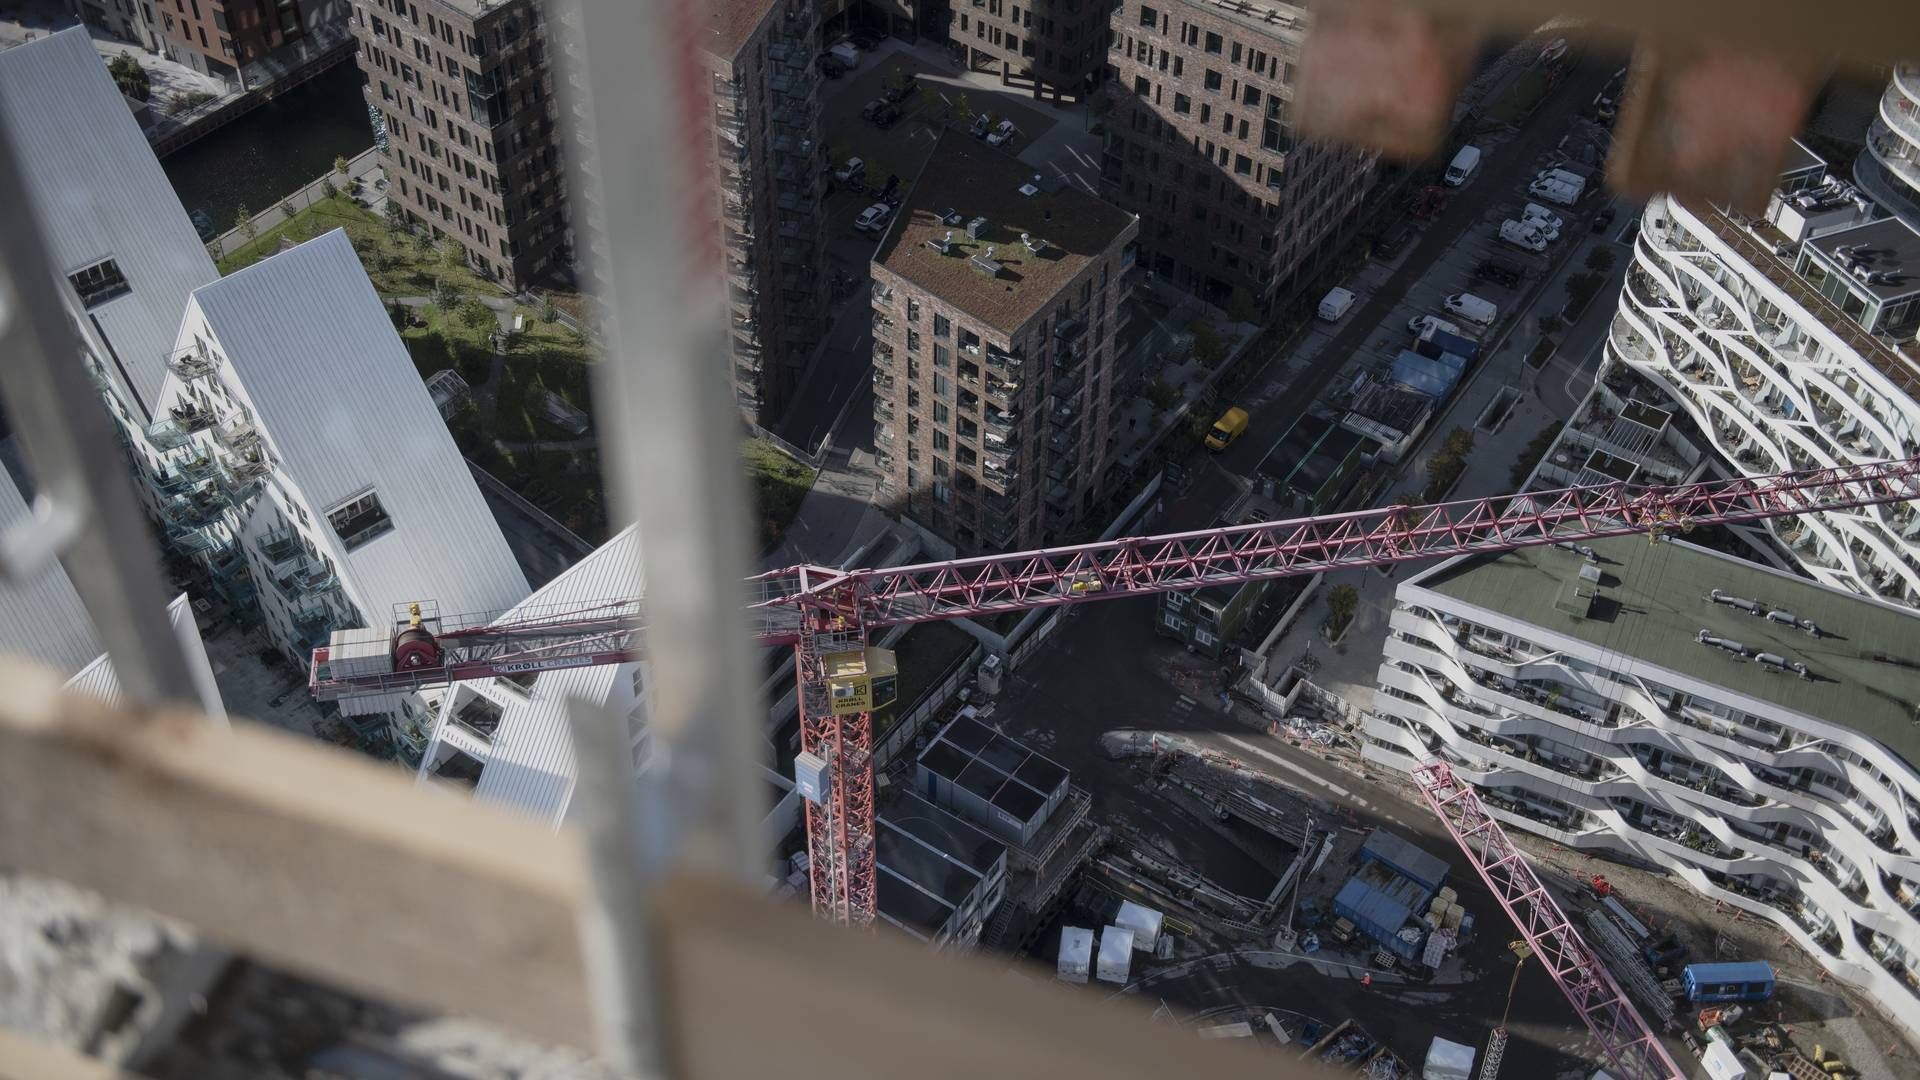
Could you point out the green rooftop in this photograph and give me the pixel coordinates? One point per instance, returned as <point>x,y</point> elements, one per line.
<point>1651,602</point>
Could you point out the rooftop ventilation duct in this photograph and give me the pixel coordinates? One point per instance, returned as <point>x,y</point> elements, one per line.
<point>1788,618</point>
<point>1581,550</point>
<point>1734,647</point>
<point>1751,607</point>
<point>1776,662</point>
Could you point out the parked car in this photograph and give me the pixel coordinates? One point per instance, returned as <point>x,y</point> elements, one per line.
<point>851,171</point>
<point>905,90</point>
<point>1603,219</point>
<point>1543,217</point>
<point>873,218</point>
<point>1472,308</point>
<point>1419,325</point>
<point>831,67</point>
<point>1389,243</point>
<point>1498,271</point>
<point>886,116</point>
<point>1003,133</point>
<point>847,53</point>
<point>980,126</point>
<point>1523,235</point>
<point>871,107</point>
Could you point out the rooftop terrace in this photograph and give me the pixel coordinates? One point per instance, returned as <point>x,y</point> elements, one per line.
<point>1865,663</point>
<point>1888,251</point>
<point>974,180</point>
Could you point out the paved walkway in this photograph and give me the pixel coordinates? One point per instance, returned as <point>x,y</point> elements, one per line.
<point>22,22</point>
<point>364,170</point>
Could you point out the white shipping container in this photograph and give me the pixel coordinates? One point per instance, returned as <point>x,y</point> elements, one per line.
<point>1143,921</point>
<point>1076,954</point>
<point>1116,954</point>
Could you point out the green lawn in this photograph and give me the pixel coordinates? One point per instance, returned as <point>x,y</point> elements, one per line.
<point>397,263</point>
<point>779,484</point>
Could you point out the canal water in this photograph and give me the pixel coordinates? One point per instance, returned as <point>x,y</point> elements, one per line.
<point>274,150</point>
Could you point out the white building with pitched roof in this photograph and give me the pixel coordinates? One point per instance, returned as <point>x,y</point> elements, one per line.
<point>312,447</point>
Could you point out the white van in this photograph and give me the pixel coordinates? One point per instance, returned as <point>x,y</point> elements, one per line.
<point>1335,304</point>
<point>1523,235</point>
<point>1557,192</point>
<point>1543,217</point>
<point>1472,308</point>
<point>1572,179</point>
<point>1462,166</point>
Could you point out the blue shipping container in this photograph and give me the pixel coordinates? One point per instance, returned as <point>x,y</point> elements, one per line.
<point>1399,855</point>
<point>1748,981</point>
<point>1379,902</point>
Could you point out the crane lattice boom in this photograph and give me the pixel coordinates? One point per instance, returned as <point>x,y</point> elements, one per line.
<point>1632,1048</point>
<point>523,641</point>
<point>815,610</point>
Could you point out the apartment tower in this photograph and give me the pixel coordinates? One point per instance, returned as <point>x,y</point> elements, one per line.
<point>1056,44</point>
<point>997,297</point>
<point>1200,144</point>
<point>1890,167</point>
<point>769,159</point>
<point>1788,341</point>
<point>461,89</point>
<point>1746,729</point>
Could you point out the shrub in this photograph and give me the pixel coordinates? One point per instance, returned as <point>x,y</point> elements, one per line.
<point>130,77</point>
<point>1459,442</point>
<point>451,255</point>
<point>1342,601</point>
<point>184,100</point>
<point>396,216</point>
<point>1600,259</point>
<point>327,190</point>
<point>1207,347</point>
<point>1550,324</point>
<point>474,315</point>
<point>548,313</point>
<point>1162,396</point>
<point>446,295</point>
<point>340,165</point>
<point>243,220</point>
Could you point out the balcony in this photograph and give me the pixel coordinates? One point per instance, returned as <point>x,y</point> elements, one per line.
<point>236,433</point>
<point>279,547</point>
<point>1004,422</point>
<point>1000,393</point>
<point>193,363</point>
<point>1003,363</point>
<point>311,629</point>
<point>479,716</point>
<point>192,417</point>
<point>167,435</point>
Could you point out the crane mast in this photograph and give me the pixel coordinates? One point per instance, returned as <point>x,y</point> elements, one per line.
<point>817,611</point>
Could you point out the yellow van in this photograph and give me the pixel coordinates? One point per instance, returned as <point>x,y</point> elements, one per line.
<point>1226,429</point>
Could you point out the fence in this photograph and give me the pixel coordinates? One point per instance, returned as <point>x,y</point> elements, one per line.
<point>268,217</point>
<point>929,703</point>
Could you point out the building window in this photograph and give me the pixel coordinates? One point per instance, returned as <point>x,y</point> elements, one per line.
<point>942,326</point>
<point>1182,104</point>
<point>99,283</point>
<point>1213,43</point>
<point>942,386</point>
<point>941,441</point>
<point>1141,86</point>
<point>942,357</point>
<point>1242,165</point>
<point>1213,80</point>
<point>1149,17</point>
<point>359,520</point>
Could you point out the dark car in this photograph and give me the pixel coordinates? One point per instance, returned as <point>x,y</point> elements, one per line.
<point>897,94</point>
<point>831,67</point>
<point>980,125</point>
<point>1389,243</point>
<point>1498,271</point>
<point>1603,219</point>
<point>885,116</point>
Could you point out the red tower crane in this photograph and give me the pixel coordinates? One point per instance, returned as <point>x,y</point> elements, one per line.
<point>819,612</point>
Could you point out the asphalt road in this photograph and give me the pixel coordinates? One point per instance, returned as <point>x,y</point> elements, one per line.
<point>1106,669</point>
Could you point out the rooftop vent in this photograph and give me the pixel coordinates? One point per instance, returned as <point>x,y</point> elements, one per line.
<point>1590,573</point>
<point>1029,190</point>
<point>1776,662</point>
<point>977,228</point>
<point>942,244</point>
<point>987,264</point>
<point>1734,647</point>
<point>1788,618</point>
<point>1033,243</point>
<point>1751,607</point>
<point>1581,550</point>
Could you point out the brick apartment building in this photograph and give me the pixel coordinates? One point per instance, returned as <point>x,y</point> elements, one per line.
<point>1061,43</point>
<point>996,307</point>
<point>1200,144</point>
<point>771,168</point>
<point>463,90</point>
<point>219,37</point>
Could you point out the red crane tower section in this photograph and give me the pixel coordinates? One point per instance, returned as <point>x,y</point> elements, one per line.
<point>818,611</point>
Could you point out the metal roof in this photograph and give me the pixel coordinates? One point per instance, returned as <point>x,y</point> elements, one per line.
<point>315,356</point>
<point>995,768</point>
<point>1654,603</point>
<point>42,617</point>
<point>929,862</point>
<point>98,679</point>
<point>530,765</point>
<point>1397,853</point>
<point>98,192</point>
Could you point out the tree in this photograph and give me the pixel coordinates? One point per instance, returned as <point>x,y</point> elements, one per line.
<point>452,256</point>
<point>548,313</point>
<point>340,165</point>
<point>286,209</point>
<point>446,295</point>
<point>1342,602</point>
<point>474,315</point>
<point>1241,308</point>
<point>327,190</point>
<point>243,220</point>
<point>1550,324</point>
<point>396,216</point>
<point>1206,344</point>
<point>1600,259</point>
<point>130,77</point>
<point>1459,442</point>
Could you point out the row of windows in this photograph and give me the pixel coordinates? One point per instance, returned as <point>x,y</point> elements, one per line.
<point>1258,61</point>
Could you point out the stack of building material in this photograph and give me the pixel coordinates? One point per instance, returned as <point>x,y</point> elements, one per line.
<point>1116,954</point>
<point>1143,921</point>
<point>1076,954</point>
